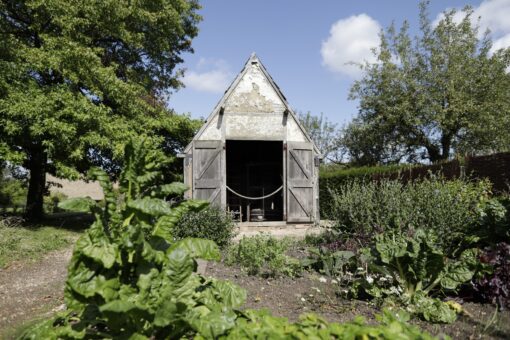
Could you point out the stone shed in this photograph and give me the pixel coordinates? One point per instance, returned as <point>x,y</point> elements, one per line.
<point>252,156</point>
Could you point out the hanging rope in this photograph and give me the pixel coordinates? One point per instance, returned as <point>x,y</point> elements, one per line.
<point>254,198</point>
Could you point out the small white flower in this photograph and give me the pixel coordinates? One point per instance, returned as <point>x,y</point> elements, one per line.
<point>395,291</point>
<point>323,279</point>
<point>360,268</point>
<point>303,299</point>
<point>334,281</point>
<point>316,289</point>
<point>370,279</point>
<point>383,279</point>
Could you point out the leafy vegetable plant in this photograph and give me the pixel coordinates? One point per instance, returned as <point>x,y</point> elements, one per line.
<point>411,270</point>
<point>494,286</point>
<point>327,261</point>
<point>261,325</point>
<point>127,277</point>
<point>263,254</point>
<point>494,221</point>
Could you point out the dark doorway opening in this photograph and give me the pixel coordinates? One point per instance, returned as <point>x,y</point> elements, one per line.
<point>255,169</point>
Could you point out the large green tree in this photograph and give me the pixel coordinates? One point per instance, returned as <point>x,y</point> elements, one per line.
<point>444,92</point>
<point>75,76</point>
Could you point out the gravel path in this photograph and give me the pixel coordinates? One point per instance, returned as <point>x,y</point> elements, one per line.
<point>32,289</point>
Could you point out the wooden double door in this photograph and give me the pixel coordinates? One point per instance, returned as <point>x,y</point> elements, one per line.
<point>209,177</point>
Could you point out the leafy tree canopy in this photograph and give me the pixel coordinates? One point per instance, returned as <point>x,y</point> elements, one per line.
<point>325,135</point>
<point>444,92</point>
<point>78,78</point>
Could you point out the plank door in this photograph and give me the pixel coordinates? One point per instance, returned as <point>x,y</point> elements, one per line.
<point>300,169</point>
<point>207,171</point>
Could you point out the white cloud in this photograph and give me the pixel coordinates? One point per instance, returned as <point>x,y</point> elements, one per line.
<point>210,75</point>
<point>350,41</point>
<point>502,42</point>
<point>494,15</point>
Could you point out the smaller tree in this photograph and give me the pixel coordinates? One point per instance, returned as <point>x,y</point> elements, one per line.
<point>441,93</point>
<point>324,133</point>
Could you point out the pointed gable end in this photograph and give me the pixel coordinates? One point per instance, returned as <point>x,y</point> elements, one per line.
<point>254,92</point>
<point>253,107</point>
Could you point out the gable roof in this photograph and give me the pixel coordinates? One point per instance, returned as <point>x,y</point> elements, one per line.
<point>252,60</point>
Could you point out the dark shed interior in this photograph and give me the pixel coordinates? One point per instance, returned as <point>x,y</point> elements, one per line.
<point>255,169</point>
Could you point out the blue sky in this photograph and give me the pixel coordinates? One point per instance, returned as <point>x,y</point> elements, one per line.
<point>304,45</point>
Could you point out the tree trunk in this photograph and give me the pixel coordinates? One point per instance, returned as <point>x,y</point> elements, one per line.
<point>434,154</point>
<point>446,143</point>
<point>37,166</point>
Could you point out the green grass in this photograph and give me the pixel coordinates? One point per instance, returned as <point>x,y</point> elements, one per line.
<point>16,331</point>
<point>20,241</point>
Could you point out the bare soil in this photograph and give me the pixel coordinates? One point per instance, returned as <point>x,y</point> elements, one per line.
<point>32,290</point>
<point>291,297</point>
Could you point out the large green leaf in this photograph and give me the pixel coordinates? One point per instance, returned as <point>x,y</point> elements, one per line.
<point>87,283</point>
<point>169,312</point>
<point>456,274</point>
<point>102,177</point>
<point>175,188</point>
<point>391,246</point>
<point>179,266</point>
<point>78,204</point>
<point>198,248</point>
<point>212,324</point>
<point>229,294</point>
<point>150,206</point>
<point>117,306</point>
<point>434,310</point>
<point>95,245</point>
<point>164,227</point>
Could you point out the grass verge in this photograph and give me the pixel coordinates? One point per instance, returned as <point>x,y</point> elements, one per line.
<point>19,241</point>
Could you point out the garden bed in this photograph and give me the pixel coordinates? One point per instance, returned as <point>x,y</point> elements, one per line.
<point>292,297</point>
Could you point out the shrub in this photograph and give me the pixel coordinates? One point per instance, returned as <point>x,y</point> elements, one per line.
<point>333,177</point>
<point>362,209</point>
<point>212,223</point>
<point>13,192</point>
<point>263,254</point>
<point>50,203</point>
